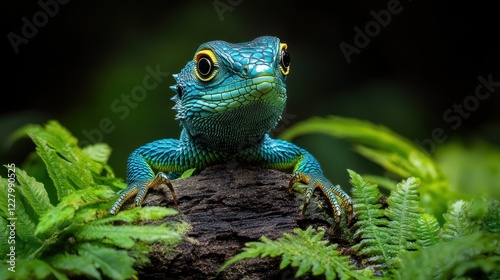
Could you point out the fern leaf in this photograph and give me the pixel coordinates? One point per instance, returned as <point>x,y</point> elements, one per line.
<point>427,230</point>
<point>25,225</point>
<point>73,265</point>
<point>453,259</point>
<point>371,135</point>
<point>491,220</point>
<point>68,166</point>
<point>304,250</point>
<point>138,214</point>
<point>114,264</point>
<point>63,214</point>
<point>98,152</point>
<point>4,234</point>
<point>403,212</point>
<point>457,222</point>
<point>66,173</point>
<point>371,225</point>
<point>34,192</point>
<point>390,161</point>
<point>125,236</point>
<point>31,269</point>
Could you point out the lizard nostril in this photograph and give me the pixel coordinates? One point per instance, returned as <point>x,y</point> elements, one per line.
<point>245,70</point>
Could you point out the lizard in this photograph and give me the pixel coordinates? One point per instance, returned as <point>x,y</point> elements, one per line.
<point>228,99</point>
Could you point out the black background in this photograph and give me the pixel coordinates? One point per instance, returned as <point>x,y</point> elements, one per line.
<point>416,68</point>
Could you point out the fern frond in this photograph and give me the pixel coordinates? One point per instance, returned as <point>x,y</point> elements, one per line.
<point>31,269</point>
<point>99,152</point>
<point>403,212</point>
<point>113,263</point>
<point>34,192</point>
<point>491,221</point>
<point>68,166</point>
<point>125,236</point>
<point>371,225</point>
<point>25,225</point>
<point>304,250</point>
<point>427,230</point>
<point>453,259</point>
<point>75,265</point>
<point>63,214</point>
<point>372,135</point>
<point>458,222</point>
<point>137,214</point>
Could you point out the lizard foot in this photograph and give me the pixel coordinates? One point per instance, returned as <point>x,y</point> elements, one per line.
<point>336,196</point>
<point>139,189</point>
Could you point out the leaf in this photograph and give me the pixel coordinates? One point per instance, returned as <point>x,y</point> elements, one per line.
<point>403,212</point>
<point>125,236</point>
<point>34,192</point>
<point>371,226</point>
<point>115,264</point>
<point>68,166</point>
<point>304,250</point>
<point>188,173</point>
<point>31,269</point>
<point>491,221</point>
<point>75,265</point>
<point>453,259</point>
<point>372,135</point>
<point>390,150</point>
<point>457,222</point>
<point>137,214</point>
<point>4,235</point>
<point>99,152</point>
<point>427,230</point>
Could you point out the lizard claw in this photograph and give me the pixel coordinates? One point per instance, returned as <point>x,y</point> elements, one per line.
<point>336,196</point>
<point>139,189</point>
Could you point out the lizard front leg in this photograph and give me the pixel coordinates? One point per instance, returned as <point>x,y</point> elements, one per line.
<point>283,155</point>
<point>167,155</point>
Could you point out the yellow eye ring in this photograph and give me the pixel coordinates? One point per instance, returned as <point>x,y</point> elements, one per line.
<point>284,59</point>
<point>206,64</point>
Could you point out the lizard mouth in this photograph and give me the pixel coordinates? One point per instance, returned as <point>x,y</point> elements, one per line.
<point>242,92</point>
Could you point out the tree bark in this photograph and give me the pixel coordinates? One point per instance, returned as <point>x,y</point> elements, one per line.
<point>227,206</point>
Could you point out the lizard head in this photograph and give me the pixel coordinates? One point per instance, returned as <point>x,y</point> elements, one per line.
<point>234,90</point>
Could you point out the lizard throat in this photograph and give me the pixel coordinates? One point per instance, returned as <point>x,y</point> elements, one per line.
<point>237,114</point>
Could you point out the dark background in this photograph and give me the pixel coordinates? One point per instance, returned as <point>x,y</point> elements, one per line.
<point>89,53</point>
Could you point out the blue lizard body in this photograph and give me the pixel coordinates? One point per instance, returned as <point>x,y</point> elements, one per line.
<point>228,99</point>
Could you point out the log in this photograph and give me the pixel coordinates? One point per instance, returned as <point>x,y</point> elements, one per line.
<point>227,206</point>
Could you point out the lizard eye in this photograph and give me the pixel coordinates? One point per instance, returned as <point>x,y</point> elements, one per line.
<point>284,59</point>
<point>206,64</point>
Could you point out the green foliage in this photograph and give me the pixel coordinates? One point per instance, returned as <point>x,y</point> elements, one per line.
<point>73,236</point>
<point>400,157</point>
<point>306,251</point>
<point>402,238</point>
<point>385,234</point>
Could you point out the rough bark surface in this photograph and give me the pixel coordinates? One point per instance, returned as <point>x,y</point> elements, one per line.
<point>227,206</point>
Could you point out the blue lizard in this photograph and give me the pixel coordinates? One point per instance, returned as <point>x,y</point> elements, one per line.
<point>228,99</point>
